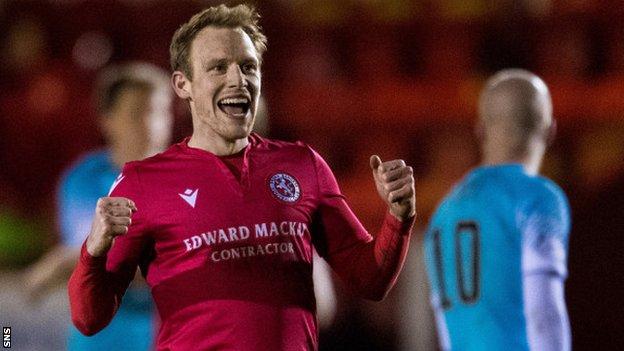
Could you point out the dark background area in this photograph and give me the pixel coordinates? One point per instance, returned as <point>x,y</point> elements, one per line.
<point>399,78</point>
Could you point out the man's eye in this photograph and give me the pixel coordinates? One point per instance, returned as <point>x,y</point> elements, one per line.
<point>249,68</point>
<point>219,68</point>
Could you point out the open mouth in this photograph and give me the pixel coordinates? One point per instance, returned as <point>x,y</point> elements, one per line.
<point>235,107</point>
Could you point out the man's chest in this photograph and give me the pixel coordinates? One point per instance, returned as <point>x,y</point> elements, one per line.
<point>206,212</point>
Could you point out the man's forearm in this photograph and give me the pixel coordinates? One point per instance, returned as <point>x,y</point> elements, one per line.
<point>93,294</point>
<point>372,269</point>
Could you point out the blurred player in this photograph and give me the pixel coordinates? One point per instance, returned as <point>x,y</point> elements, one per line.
<point>223,224</point>
<point>134,105</point>
<point>496,248</point>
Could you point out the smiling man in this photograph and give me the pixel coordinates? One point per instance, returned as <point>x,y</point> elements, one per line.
<point>223,224</point>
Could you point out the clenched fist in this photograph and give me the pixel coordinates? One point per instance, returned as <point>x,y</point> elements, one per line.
<point>112,218</point>
<point>395,184</point>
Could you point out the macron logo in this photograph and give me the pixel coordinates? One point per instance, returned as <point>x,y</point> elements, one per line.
<point>190,196</point>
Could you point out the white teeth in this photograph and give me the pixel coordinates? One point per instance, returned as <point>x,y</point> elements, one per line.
<point>234,101</point>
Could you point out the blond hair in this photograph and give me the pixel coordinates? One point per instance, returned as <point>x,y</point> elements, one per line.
<point>242,16</point>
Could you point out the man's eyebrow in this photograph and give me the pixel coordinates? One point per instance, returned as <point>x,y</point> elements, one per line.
<point>213,62</point>
<point>250,59</point>
<point>207,64</point>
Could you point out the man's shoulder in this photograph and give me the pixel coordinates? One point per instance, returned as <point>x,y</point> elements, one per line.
<point>277,145</point>
<point>549,195</point>
<point>90,160</point>
<point>281,151</point>
<point>549,186</point>
<point>87,166</point>
<point>544,205</point>
<point>544,190</point>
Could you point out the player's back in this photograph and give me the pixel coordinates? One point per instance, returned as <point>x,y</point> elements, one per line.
<point>473,252</point>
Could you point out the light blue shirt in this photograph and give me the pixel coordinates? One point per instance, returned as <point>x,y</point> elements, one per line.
<point>495,227</point>
<point>82,185</point>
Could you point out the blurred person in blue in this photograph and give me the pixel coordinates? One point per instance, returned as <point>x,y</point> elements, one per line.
<point>134,104</point>
<point>496,248</point>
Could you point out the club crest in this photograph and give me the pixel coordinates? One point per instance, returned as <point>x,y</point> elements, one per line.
<point>284,187</point>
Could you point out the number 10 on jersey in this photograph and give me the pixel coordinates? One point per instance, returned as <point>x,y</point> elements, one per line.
<point>466,245</point>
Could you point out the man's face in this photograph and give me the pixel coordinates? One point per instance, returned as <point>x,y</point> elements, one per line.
<point>226,83</point>
<point>139,124</point>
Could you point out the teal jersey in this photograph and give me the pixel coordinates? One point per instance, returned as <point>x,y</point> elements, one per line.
<point>82,185</point>
<point>495,226</point>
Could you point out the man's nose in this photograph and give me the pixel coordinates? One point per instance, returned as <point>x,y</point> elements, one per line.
<point>235,77</point>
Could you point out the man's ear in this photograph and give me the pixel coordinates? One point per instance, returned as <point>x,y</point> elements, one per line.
<point>106,125</point>
<point>552,132</point>
<point>181,85</point>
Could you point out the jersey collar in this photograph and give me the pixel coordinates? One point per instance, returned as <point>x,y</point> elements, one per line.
<point>254,140</point>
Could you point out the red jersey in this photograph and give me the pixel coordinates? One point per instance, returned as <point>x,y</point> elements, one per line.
<point>229,260</point>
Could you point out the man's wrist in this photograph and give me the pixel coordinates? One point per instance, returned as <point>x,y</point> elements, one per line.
<point>405,217</point>
<point>402,225</point>
<point>90,260</point>
<point>89,246</point>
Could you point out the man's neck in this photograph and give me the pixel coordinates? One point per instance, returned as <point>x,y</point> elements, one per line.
<point>530,162</point>
<point>216,145</point>
<point>119,155</point>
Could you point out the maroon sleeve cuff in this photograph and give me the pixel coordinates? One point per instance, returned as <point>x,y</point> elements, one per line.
<point>397,226</point>
<point>91,261</point>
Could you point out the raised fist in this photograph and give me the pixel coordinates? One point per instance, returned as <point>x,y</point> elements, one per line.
<point>112,218</point>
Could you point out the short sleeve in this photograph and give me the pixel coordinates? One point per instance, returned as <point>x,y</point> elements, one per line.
<point>128,249</point>
<point>545,232</point>
<point>335,225</point>
<point>76,203</point>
